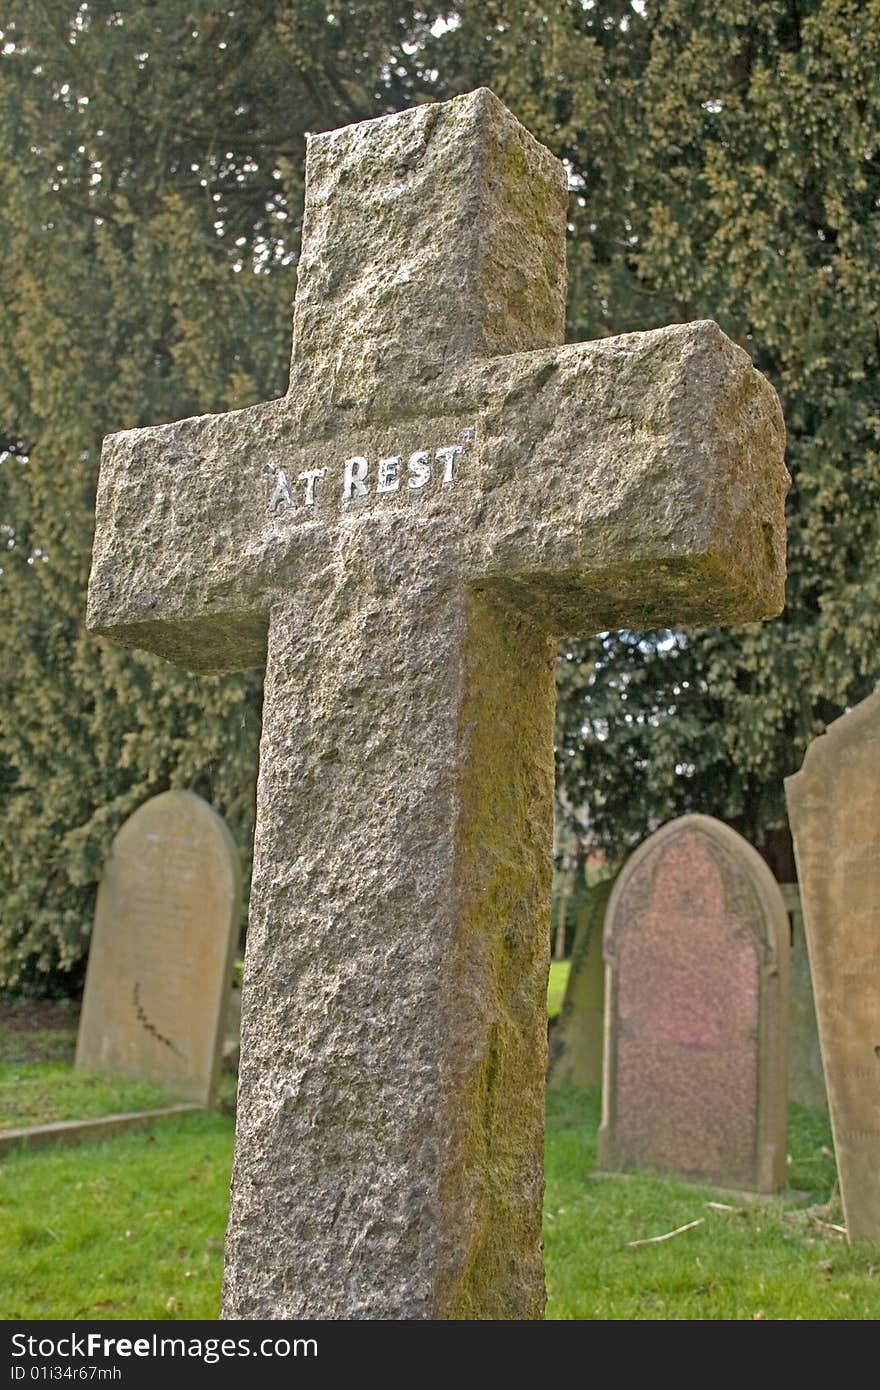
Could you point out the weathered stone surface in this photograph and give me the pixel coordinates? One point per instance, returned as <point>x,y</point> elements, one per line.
<point>834,811</point>
<point>806,1079</point>
<point>577,1040</point>
<point>162,950</point>
<point>696,940</point>
<point>479,499</point>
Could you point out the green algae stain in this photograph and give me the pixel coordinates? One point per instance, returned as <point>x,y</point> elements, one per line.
<point>493,1182</point>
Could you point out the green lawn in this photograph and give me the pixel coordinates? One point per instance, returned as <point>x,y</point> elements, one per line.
<point>38,1085</point>
<point>38,1093</point>
<point>556,986</point>
<point>133,1228</point>
<point>129,1228</point>
<point>749,1257</point>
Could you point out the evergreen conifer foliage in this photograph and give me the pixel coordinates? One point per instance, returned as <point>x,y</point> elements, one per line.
<point>724,163</point>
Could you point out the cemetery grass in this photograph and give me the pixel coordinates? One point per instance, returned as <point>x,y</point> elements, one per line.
<point>133,1228</point>
<point>749,1258</point>
<point>37,1085</point>
<point>128,1228</point>
<point>559,970</point>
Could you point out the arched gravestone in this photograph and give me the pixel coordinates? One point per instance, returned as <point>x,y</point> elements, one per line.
<point>696,1012</point>
<point>834,810</point>
<point>163,945</point>
<point>806,1077</point>
<point>576,1044</point>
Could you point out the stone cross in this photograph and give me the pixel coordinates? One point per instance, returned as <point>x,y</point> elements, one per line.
<point>402,538</point>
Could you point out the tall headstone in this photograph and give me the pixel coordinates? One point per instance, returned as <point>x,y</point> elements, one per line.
<point>834,811</point>
<point>806,1078</point>
<point>696,943</point>
<point>443,490</point>
<point>163,947</point>
<point>577,1040</point>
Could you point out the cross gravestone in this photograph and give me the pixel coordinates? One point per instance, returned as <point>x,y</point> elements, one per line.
<point>834,811</point>
<point>163,944</point>
<point>696,1013</point>
<point>441,492</point>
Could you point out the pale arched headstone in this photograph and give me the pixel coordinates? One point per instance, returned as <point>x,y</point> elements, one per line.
<point>834,808</point>
<point>806,1078</point>
<point>696,1011</point>
<point>576,1044</point>
<point>163,945</point>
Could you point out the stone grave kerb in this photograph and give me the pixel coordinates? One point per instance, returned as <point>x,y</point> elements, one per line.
<point>443,491</point>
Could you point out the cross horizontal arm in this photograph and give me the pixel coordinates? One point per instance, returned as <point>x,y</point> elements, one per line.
<point>172,568</point>
<point>634,481</point>
<point>596,485</point>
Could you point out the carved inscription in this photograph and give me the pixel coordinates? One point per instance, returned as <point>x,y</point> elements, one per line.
<point>358,477</point>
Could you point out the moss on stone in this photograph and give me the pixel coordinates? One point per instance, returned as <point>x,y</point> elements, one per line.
<point>500,960</point>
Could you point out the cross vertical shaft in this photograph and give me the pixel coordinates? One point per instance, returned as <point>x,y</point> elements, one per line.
<point>396,1054</point>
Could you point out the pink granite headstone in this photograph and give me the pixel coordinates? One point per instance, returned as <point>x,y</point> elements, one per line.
<point>696,1014</point>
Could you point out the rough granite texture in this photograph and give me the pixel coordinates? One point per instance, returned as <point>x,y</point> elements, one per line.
<point>696,1017</point>
<point>485,491</point>
<point>834,810</point>
<point>577,1040</point>
<point>163,945</point>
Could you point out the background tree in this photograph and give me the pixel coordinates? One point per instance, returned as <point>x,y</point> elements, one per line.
<point>152,167</point>
<point>724,163</point>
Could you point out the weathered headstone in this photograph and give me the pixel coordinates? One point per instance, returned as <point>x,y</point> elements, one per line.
<point>834,811</point>
<point>806,1079</point>
<point>696,941</point>
<point>442,491</point>
<point>232,1030</point>
<point>163,945</point>
<point>577,1040</point>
